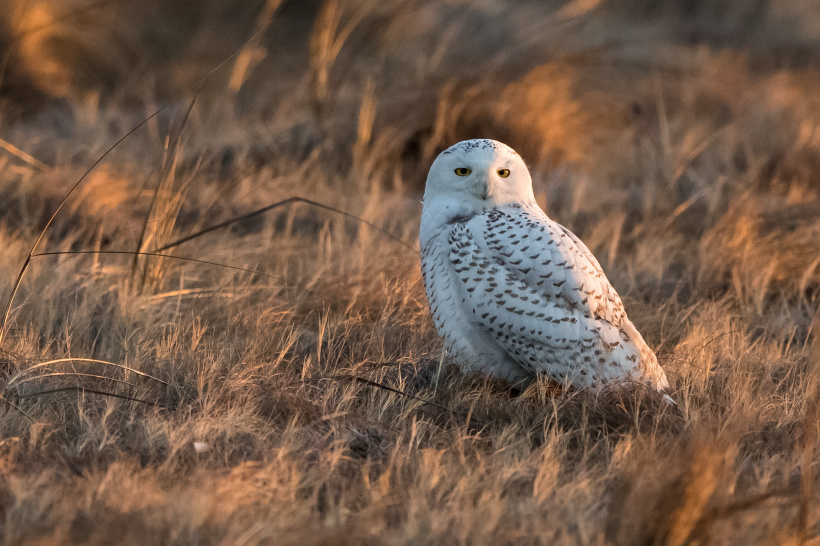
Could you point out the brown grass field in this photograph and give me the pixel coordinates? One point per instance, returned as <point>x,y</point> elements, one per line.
<point>279,381</point>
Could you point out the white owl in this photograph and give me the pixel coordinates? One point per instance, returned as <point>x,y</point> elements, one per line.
<point>513,293</point>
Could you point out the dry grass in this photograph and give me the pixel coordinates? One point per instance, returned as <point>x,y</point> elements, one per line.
<point>682,143</point>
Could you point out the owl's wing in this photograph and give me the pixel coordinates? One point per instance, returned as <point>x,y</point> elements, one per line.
<point>544,299</point>
<point>549,257</point>
<point>539,331</point>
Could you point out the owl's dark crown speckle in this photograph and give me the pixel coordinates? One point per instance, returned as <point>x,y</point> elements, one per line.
<point>478,144</point>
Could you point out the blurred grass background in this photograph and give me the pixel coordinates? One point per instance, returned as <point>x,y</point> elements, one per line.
<point>680,140</point>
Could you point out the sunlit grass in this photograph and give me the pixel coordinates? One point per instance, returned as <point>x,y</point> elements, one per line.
<point>258,403</point>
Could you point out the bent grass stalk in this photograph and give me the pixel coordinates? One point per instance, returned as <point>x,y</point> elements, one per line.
<point>92,391</point>
<point>276,205</point>
<point>30,369</point>
<point>76,374</point>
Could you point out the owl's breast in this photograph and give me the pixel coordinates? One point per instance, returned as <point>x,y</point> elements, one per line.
<point>455,317</point>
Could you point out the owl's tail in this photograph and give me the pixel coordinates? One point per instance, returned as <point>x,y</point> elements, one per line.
<point>648,371</point>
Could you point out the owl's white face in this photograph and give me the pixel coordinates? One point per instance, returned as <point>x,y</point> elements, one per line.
<point>486,170</point>
<point>471,177</point>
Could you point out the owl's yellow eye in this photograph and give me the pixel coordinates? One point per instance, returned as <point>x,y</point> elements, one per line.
<point>503,173</point>
<point>463,171</point>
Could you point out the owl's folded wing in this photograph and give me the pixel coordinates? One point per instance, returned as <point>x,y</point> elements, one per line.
<point>537,326</point>
<point>548,258</point>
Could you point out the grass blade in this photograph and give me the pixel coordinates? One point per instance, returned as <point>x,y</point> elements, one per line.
<point>75,374</point>
<point>92,391</point>
<point>372,383</point>
<point>186,259</point>
<point>18,408</point>
<point>279,204</point>
<point>90,360</point>
<point>20,154</point>
<point>166,171</point>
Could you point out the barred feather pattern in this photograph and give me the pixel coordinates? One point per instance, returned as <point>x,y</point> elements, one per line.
<point>515,295</point>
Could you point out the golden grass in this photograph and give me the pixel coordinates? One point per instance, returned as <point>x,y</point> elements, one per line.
<point>681,144</point>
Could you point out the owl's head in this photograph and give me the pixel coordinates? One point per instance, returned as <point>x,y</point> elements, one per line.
<point>483,172</point>
<point>469,178</point>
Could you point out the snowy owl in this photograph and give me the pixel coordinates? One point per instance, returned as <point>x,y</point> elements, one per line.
<point>513,293</point>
